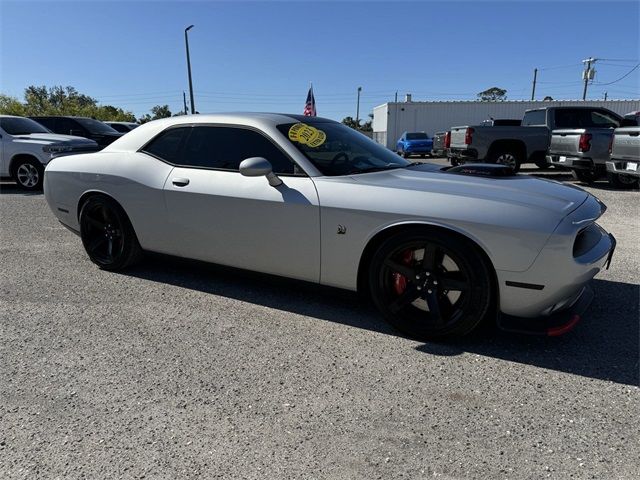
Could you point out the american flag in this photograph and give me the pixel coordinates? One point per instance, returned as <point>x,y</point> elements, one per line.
<point>310,105</point>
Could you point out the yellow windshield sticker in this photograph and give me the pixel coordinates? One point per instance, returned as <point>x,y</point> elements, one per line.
<point>307,135</point>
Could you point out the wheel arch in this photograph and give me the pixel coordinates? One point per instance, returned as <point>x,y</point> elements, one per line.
<point>20,156</point>
<point>90,193</point>
<point>503,144</point>
<point>383,234</point>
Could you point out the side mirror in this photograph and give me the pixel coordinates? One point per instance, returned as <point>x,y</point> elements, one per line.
<point>259,167</point>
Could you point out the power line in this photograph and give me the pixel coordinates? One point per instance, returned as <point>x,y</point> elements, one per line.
<point>622,77</point>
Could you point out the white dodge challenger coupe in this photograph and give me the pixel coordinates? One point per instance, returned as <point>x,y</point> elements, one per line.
<point>435,248</point>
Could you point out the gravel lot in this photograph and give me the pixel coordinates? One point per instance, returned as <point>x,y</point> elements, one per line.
<point>177,370</point>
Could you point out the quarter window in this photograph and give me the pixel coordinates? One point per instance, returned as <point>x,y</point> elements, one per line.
<point>225,147</point>
<point>166,146</point>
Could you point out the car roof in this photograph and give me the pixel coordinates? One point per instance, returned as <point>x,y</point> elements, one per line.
<point>139,136</point>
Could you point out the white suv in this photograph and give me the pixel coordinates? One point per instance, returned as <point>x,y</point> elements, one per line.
<point>26,147</point>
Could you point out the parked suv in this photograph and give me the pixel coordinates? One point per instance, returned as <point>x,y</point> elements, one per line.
<point>86,127</point>
<point>414,143</point>
<point>26,147</point>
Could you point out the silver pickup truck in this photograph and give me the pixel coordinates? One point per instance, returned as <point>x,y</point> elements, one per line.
<point>623,166</point>
<point>585,150</point>
<point>515,145</point>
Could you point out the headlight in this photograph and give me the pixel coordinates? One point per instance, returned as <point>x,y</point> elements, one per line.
<point>57,148</point>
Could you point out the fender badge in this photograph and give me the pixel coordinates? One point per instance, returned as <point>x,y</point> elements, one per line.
<point>342,230</point>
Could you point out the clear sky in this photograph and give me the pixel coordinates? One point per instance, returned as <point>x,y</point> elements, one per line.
<point>261,56</point>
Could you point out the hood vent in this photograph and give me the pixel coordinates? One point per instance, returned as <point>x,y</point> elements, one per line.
<point>483,170</point>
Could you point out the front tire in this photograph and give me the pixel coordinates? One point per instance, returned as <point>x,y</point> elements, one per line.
<point>107,234</point>
<point>28,173</point>
<point>430,284</point>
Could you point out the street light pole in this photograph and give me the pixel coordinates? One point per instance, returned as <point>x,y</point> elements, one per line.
<point>186,42</point>
<point>358,108</point>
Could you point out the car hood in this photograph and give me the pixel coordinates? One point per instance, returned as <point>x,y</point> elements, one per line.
<point>524,190</point>
<point>50,138</point>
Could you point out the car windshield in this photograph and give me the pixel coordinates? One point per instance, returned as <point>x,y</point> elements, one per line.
<point>417,136</point>
<point>336,149</point>
<point>95,126</point>
<point>21,126</point>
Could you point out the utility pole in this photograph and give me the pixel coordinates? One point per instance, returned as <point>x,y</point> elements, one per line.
<point>605,96</point>
<point>396,100</point>
<point>533,89</point>
<point>358,108</point>
<point>184,101</point>
<point>588,74</point>
<point>186,42</point>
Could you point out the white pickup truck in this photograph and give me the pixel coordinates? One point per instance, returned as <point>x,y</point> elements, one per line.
<point>26,147</point>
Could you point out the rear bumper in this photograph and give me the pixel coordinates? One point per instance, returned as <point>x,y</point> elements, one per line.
<point>578,163</point>
<point>463,154</point>
<point>620,167</point>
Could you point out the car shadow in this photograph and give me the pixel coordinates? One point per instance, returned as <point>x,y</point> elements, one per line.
<point>13,189</point>
<point>604,345</point>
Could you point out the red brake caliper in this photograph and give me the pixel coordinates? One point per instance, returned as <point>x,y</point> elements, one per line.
<point>400,281</point>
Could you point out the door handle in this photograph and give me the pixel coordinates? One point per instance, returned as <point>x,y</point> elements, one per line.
<point>180,182</point>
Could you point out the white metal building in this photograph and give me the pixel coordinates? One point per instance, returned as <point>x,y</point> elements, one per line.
<point>393,118</point>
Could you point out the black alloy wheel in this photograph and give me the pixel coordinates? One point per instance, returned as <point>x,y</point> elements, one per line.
<point>429,284</point>
<point>107,234</point>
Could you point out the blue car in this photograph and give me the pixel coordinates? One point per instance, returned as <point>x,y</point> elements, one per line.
<point>414,143</point>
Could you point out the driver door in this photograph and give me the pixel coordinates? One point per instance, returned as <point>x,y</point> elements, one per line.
<point>217,215</point>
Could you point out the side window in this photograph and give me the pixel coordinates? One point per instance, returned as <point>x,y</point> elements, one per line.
<point>65,126</point>
<point>166,145</point>
<point>535,117</point>
<point>47,122</point>
<point>226,147</point>
<point>603,119</point>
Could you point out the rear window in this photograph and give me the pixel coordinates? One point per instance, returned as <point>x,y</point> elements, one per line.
<point>535,117</point>
<point>585,118</point>
<point>417,136</point>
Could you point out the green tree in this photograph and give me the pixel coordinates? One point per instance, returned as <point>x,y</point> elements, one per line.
<point>160,111</point>
<point>350,122</point>
<point>493,94</point>
<point>58,100</point>
<point>11,106</point>
<point>368,125</point>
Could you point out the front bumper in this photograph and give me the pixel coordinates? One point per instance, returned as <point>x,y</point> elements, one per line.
<point>624,167</point>
<point>575,253</point>
<point>554,325</point>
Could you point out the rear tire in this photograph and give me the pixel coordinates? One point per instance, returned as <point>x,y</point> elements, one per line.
<point>28,173</point>
<point>622,181</point>
<point>107,234</point>
<point>429,284</point>
<point>405,154</point>
<point>508,157</point>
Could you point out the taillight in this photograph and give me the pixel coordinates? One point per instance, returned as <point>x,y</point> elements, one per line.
<point>468,136</point>
<point>611,144</point>
<point>447,140</point>
<point>584,145</point>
